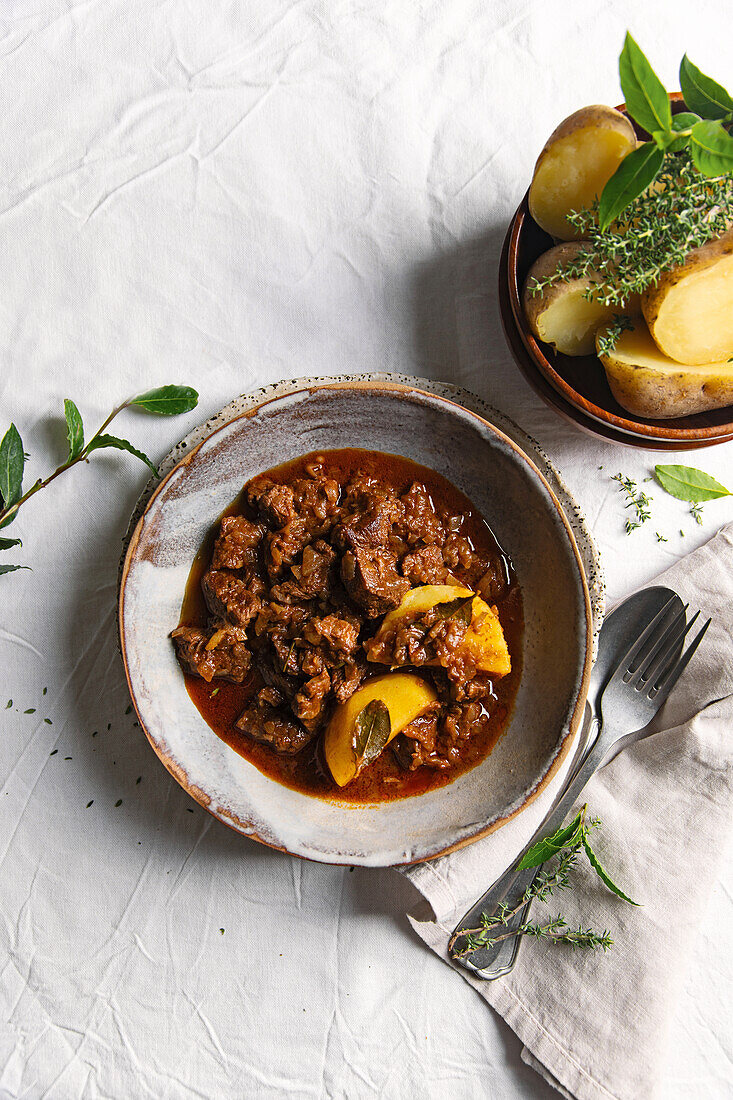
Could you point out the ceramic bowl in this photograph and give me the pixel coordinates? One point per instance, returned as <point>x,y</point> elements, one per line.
<point>530,525</point>
<point>576,386</point>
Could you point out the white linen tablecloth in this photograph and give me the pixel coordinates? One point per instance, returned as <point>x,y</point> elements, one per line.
<point>226,195</point>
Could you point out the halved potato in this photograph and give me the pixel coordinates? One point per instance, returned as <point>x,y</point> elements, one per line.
<point>484,639</point>
<point>690,310</point>
<point>561,314</point>
<point>647,383</point>
<point>405,696</point>
<point>578,160</point>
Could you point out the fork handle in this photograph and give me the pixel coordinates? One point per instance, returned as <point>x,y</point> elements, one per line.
<point>510,887</point>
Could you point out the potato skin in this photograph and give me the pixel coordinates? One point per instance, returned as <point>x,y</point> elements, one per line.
<point>659,303</point>
<point>571,330</point>
<point>649,384</point>
<point>588,130</point>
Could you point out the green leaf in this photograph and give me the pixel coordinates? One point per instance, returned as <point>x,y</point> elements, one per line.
<point>548,847</point>
<point>603,875</point>
<point>5,544</point>
<point>711,148</point>
<point>687,483</point>
<point>703,94</point>
<point>371,732</point>
<point>460,608</point>
<point>685,120</point>
<point>167,400</point>
<point>121,445</point>
<point>74,429</point>
<point>11,568</point>
<point>646,99</point>
<point>12,461</point>
<point>631,179</point>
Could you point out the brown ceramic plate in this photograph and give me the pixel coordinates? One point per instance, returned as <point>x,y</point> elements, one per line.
<point>580,382</point>
<point>529,523</point>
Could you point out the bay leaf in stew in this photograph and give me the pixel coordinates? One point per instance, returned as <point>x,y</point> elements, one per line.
<point>371,733</point>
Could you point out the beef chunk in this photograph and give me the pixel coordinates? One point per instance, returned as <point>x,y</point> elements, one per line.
<point>493,585</point>
<point>236,546</point>
<point>460,722</point>
<point>228,597</point>
<point>422,640</point>
<point>421,524</point>
<point>309,704</point>
<point>339,636</point>
<point>316,501</point>
<point>435,743</point>
<point>418,743</point>
<point>221,653</point>
<point>346,678</point>
<point>368,515</point>
<point>284,547</point>
<point>265,721</point>
<point>426,566</point>
<point>372,580</point>
<point>314,574</point>
<point>460,556</point>
<point>276,507</point>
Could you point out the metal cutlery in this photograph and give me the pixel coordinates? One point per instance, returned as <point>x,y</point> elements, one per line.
<point>626,698</point>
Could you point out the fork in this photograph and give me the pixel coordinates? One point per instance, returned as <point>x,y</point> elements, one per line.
<point>633,695</point>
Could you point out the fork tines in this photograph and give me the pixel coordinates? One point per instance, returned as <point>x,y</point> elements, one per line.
<point>655,661</point>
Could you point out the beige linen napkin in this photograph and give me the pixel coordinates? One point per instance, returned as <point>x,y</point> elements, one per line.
<point>594,1024</point>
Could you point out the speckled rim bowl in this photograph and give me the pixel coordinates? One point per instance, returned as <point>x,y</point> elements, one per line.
<point>529,523</point>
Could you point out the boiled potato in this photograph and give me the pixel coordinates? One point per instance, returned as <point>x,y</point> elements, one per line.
<point>576,163</point>
<point>690,310</point>
<point>561,314</point>
<point>484,639</point>
<point>647,383</point>
<point>406,697</point>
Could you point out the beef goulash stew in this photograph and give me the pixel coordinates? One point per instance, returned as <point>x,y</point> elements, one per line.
<point>352,628</point>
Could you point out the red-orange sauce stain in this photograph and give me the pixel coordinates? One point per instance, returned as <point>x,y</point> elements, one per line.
<point>221,702</point>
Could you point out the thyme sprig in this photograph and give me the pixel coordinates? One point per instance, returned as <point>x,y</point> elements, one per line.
<point>636,499</point>
<point>563,849</point>
<point>608,337</point>
<point>164,401</point>
<point>656,231</point>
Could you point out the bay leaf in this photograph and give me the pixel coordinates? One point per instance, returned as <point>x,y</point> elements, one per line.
<point>371,732</point>
<point>688,483</point>
<point>460,609</point>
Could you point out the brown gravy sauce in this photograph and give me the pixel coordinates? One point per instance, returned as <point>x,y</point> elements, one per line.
<point>220,703</point>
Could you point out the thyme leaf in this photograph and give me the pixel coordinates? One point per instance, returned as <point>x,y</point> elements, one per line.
<point>637,500</point>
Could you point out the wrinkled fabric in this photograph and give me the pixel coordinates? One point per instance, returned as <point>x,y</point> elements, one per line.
<point>597,1024</point>
<point>227,194</point>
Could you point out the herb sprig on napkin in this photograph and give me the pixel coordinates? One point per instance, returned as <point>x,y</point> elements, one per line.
<point>560,851</point>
